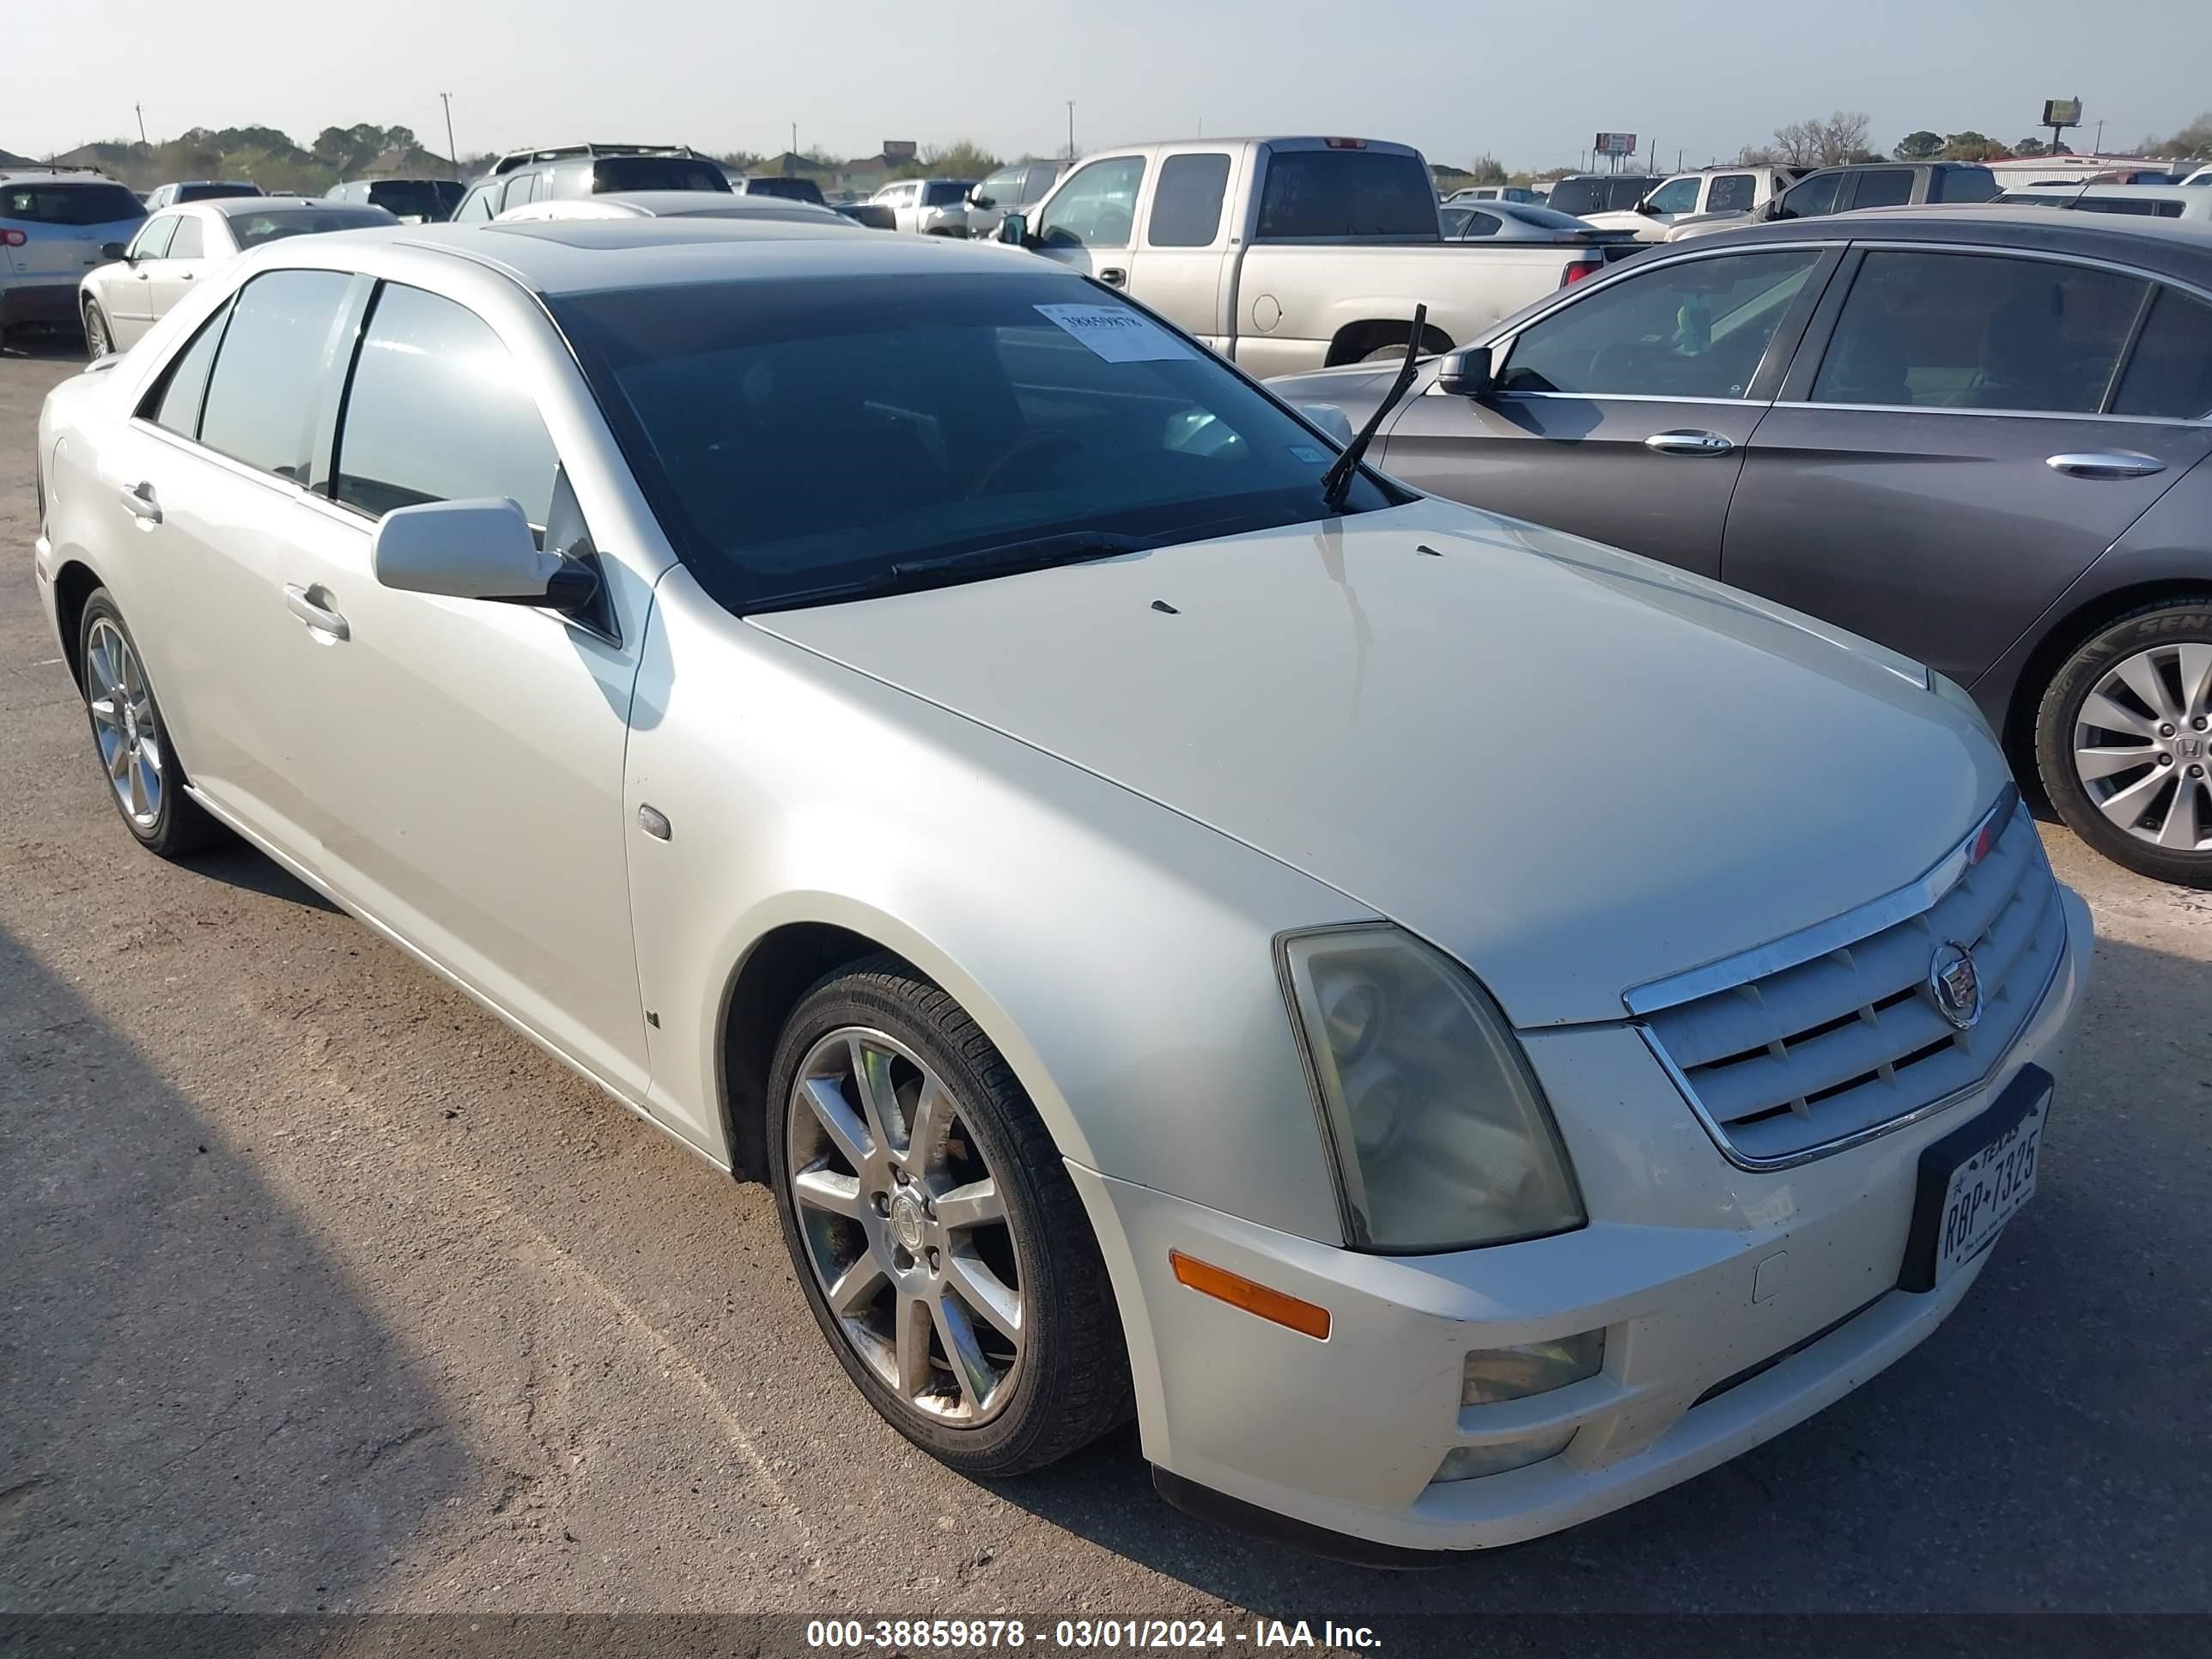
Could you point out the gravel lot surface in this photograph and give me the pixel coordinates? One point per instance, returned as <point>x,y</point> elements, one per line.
<point>322,1290</point>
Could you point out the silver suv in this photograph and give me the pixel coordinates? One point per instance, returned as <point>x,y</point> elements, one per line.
<point>53,223</point>
<point>566,171</point>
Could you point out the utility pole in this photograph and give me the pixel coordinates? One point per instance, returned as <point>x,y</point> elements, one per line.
<point>795,137</point>
<point>139,110</point>
<point>452,155</point>
<point>2097,146</point>
<point>1071,130</point>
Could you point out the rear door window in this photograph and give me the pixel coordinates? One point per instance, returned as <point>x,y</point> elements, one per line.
<point>177,406</point>
<point>657,173</point>
<point>1882,187</point>
<point>436,412</point>
<point>273,368</point>
<point>1964,184</point>
<point>1967,331</point>
<point>2170,374</point>
<point>191,240</point>
<point>1314,193</point>
<point>1187,201</point>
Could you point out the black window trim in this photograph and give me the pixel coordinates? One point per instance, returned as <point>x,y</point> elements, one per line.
<point>1797,383</point>
<point>157,388</point>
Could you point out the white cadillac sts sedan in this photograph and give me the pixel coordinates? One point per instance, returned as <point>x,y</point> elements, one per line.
<point>1454,1027</point>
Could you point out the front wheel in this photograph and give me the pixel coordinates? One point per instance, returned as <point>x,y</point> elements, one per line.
<point>2124,741</point>
<point>935,1232</point>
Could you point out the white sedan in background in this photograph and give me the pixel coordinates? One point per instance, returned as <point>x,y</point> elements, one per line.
<point>179,246</point>
<point>1454,1027</point>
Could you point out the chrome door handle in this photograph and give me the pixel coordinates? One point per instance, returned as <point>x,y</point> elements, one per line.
<point>1688,443</point>
<point>1114,276</point>
<point>319,619</point>
<point>139,498</point>
<point>2106,464</point>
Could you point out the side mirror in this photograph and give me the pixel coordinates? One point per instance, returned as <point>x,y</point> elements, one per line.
<point>982,202</point>
<point>1014,230</point>
<point>476,550</point>
<point>1772,208</point>
<point>113,250</point>
<point>1465,373</point>
<point>1330,419</point>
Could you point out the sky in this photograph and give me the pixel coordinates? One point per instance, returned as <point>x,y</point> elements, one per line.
<point>1527,82</point>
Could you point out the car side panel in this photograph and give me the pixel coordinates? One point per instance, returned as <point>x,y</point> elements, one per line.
<point>1119,955</point>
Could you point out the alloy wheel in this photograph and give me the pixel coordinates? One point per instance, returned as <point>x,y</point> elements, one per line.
<point>2142,745</point>
<point>96,340</point>
<point>124,722</point>
<point>905,1226</point>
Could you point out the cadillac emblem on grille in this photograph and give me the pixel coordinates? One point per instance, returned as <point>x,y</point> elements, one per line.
<point>1955,984</point>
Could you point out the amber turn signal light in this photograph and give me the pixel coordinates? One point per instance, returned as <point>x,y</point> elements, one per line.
<point>1239,1292</point>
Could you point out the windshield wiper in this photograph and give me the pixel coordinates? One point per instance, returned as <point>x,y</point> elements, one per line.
<point>1336,483</point>
<point>1004,559</point>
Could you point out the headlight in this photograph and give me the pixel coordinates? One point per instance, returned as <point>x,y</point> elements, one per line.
<point>1440,1135</point>
<point>1956,695</point>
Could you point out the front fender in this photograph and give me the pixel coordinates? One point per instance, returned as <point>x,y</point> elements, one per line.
<point>1119,955</point>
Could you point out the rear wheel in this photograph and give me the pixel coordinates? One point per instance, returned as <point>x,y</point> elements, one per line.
<point>2124,741</point>
<point>99,338</point>
<point>131,740</point>
<point>941,1246</point>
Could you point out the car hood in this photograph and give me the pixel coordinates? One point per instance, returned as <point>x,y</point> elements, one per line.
<point>1574,769</point>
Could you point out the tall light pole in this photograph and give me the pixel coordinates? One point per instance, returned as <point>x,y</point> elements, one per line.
<point>452,153</point>
<point>139,110</point>
<point>1071,130</point>
<point>795,137</point>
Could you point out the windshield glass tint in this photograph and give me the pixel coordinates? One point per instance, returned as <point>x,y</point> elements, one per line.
<point>69,204</point>
<point>657,173</point>
<point>945,192</point>
<point>796,435</point>
<point>1579,196</point>
<point>253,230</point>
<point>1347,192</point>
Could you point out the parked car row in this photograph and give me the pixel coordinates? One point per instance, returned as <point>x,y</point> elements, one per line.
<point>1141,953</point>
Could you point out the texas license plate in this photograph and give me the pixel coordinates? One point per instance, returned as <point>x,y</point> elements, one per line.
<point>1975,1180</point>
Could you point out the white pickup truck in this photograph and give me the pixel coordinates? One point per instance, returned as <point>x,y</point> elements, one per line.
<point>1288,254</point>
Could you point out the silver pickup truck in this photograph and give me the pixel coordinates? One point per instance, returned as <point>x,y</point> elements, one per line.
<point>1288,254</point>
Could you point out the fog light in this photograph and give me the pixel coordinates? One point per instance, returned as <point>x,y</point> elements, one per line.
<point>1468,1462</point>
<point>1490,1375</point>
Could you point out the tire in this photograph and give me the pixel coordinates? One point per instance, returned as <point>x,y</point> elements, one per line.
<point>99,338</point>
<point>131,739</point>
<point>893,1232</point>
<point>2143,682</point>
<point>1388,353</point>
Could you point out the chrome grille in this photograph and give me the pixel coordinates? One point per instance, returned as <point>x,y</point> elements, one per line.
<point>1845,1037</point>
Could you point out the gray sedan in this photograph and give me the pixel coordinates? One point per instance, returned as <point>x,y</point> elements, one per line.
<point>1977,435</point>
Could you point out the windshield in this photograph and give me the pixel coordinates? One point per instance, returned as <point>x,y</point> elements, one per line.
<point>69,204</point>
<point>419,198</point>
<point>798,435</point>
<point>214,190</point>
<point>659,173</point>
<point>253,230</point>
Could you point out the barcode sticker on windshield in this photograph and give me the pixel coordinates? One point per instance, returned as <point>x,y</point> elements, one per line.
<point>1116,333</point>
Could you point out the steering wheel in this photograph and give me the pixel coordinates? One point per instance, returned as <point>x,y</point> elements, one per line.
<point>1028,443</point>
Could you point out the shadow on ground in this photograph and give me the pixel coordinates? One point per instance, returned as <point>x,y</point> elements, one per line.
<point>194,1394</point>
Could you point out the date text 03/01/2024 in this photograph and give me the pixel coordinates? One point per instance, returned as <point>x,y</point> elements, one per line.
<point>1078,1634</point>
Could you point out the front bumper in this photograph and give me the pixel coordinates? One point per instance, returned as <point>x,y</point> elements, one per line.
<point>1734,1305</point>
<point>37,302</point>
